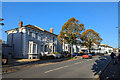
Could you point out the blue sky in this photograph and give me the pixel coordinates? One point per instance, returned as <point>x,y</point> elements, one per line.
<point>99,16</point>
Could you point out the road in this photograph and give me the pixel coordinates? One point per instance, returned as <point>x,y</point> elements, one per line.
<point>81,68</point>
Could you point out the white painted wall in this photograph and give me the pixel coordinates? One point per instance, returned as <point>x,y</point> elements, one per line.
<point>21,41</point>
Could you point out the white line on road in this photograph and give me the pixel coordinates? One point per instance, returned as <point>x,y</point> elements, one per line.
<point>56,69</point>
<point>77,62</point>
<point>64,66</point>
<point>88,60</point>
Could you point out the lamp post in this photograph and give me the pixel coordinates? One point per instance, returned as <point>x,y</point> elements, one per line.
<point>1,20</point>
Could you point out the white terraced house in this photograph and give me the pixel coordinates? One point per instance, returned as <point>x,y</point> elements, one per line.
<point>30,41</point>
<point>105,48</point>
<point>67,47</point>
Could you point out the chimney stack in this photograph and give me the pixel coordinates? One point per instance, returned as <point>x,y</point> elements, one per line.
<point>51,30</point>
<point>20,24</point>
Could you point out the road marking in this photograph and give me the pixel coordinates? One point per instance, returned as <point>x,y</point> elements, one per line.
<point>56,69</point>
<point>77,63</point>
<point>66,66</point>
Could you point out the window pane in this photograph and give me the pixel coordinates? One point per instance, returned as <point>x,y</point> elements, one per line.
<point>41,37</point>
<point>41,48</point>
<point>34,48</point>
<point>30,48</point>
<point>30,34</point>
<point>36,35</point>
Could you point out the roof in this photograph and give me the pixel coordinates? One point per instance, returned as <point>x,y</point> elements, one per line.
<point>34,27</point>
<point>105,45</point>
<point>11,29</point>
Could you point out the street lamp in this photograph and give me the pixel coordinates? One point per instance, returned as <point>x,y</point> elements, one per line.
<point>1,20</point>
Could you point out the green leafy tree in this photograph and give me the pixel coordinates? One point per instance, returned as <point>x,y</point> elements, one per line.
<point>89,37</point>
<point>70,32</point>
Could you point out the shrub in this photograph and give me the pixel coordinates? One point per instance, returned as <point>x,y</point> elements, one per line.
<point>73,58</point>
<point>55,52</point>
<point>80,52</point>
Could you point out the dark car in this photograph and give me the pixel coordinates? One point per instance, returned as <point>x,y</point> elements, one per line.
<point>101,54</point>
<point>75,54</point>
<point>65,54</point>
<point>93,53</point>
<point>80,54</point>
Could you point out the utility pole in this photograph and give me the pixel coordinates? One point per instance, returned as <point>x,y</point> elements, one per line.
<point>118,26</point>
<point>118,38</point>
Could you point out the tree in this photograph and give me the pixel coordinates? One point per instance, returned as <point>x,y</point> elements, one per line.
<point>1,41</point>
<point>89,37</point>
<point>70,32</point>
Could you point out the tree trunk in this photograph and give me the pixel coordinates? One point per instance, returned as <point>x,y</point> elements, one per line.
<point>90,46</point>
<point>71,50</point>
<point>89,50</point>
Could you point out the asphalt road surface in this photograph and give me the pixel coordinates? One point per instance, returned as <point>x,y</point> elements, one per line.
<point>81,68</point>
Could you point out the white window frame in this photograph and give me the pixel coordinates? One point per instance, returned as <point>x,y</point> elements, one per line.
<point>31,47</point>
<point>36,48</point>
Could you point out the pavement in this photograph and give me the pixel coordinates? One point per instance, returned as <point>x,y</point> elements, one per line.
<point>80,68</point>
<point>112,72</point>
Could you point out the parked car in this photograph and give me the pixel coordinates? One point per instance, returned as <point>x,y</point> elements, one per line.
<point>93,53</point>
<point>75,54</point>
<point>80,54</point>
<point>65,54</point>
<point>101,54</point>
<point>87,56</point>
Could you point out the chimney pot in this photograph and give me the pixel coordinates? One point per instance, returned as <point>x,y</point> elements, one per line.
<point>20,24</point>
<point>51,30</point>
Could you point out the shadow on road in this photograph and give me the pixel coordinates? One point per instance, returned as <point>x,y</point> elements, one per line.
<point>99,64</point>
<point>112,72</point>
<point>18,66</point>
<point>35,62</point>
